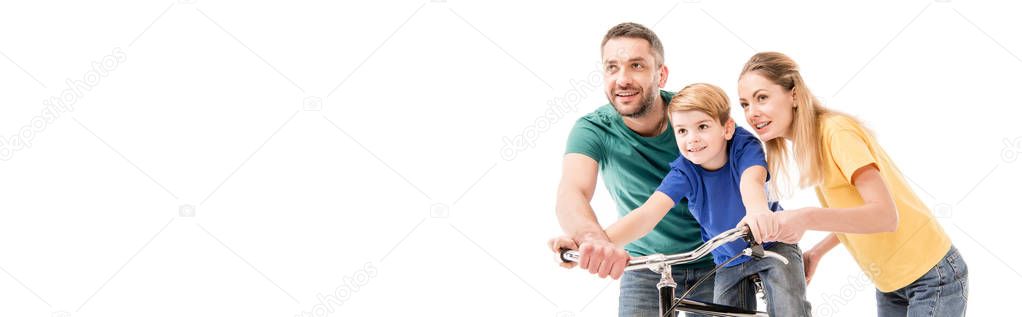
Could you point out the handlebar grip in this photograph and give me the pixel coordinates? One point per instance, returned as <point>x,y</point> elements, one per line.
<point>568,255</point>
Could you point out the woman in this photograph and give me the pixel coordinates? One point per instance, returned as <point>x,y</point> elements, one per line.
<point>865,200</point>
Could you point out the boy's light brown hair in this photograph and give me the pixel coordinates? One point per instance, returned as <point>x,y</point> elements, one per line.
<point>705,98</point>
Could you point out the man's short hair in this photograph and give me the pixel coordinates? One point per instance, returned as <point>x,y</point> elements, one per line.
<point>638,31</point>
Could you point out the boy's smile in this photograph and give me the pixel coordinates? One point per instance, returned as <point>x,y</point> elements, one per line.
<point>696,148</point>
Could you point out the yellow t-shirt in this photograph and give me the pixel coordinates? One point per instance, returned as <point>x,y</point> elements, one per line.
<point>892,259</point>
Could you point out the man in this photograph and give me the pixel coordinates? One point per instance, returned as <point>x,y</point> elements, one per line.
<point>629,141</point>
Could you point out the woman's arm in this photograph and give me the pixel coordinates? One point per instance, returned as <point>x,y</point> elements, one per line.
<point>811,258</point>
<point>878,213</point>
<point>825,245</point>
<point>640,221</point>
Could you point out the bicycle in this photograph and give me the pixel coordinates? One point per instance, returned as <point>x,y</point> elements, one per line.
<point>669,305</point>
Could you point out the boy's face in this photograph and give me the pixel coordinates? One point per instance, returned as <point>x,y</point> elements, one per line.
<point>702,139</point>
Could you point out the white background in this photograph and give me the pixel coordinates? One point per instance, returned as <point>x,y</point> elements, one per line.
<point>395,194</point>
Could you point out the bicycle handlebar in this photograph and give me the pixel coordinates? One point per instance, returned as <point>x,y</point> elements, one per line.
<point>658,260</point>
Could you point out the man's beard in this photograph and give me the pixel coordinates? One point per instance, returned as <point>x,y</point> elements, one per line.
<point>644,107</point>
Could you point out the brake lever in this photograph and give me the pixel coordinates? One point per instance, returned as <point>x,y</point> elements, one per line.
<point>755,248</point>
<point>756,251</point>
<point>766,254</point>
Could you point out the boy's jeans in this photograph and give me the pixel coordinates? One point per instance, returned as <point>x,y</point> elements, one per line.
<point>785,285</point>
<point>640,297</point>
<point>943,291</point>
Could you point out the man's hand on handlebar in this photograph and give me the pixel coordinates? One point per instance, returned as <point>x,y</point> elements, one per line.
<point>598,256</point>
<point>603,258</point>
<point>563,243</point>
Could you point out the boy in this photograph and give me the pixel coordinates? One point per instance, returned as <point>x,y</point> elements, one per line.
<point>721,173</point>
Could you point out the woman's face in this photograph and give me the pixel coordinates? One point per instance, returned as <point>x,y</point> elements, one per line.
<point>768,106</point>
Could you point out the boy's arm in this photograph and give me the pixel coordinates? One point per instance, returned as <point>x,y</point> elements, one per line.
<point>640,221</point>
<point>753,190</point>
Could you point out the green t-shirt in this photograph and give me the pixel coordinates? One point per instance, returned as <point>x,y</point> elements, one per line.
<point>632,166</point>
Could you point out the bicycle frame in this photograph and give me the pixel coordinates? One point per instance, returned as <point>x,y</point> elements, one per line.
<point>660,263</point>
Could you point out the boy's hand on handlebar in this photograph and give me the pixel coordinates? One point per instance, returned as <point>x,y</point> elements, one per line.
<point>603,258</point>
<point>563,243</point>
<point>763,225</point>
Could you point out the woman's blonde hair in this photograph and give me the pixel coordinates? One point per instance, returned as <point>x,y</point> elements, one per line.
<point>807,113</point>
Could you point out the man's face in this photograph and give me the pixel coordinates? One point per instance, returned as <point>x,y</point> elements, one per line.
<point>631,76</point>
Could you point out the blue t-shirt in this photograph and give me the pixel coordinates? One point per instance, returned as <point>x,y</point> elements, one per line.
<point>714,197</point>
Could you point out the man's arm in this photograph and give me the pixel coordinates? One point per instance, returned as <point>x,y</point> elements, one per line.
<point>574,213</point>
<point>577,219</point>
